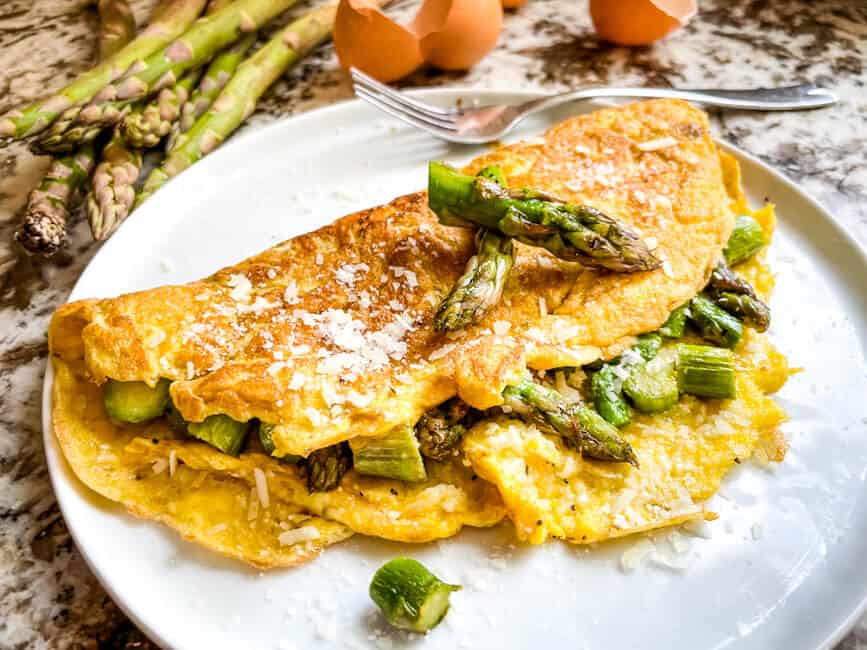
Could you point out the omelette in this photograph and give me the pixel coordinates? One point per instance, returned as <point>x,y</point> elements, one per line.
<point>325,345</point>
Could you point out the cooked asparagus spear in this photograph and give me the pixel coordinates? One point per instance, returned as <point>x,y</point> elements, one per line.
<point>145,128</point>
<point>116,26</point>
<point>410,596</point>
<point>217,75</point>
<point>493,173</point>
<point>135,401</point>
<point>325,467</point>
<point>747,239</point>
<point>240,95</point>
<point>395,456</point>
<point>652,386</point>
<point>161,69</point>
<point>481,285</point>
<point>674,327</point>
<point>648,345</point>
<point>547,409</point>
<point>714,323</point>
<point>577,233</point>
<point>220,431</point>
<point>606,387</point>
<point>439,431</point>
<point>736,296</point>
<point>267,441</point>
<point>112,194</point>
<point>43,229</point>
<point>168,23</point>
<point>705,371</point>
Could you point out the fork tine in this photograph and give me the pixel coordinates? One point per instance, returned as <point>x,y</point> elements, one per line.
<point>360,78</point>
<point>408,112</point>
<point>409,118</point>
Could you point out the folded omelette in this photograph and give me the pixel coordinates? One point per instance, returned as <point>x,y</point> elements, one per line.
<point>329,338</point>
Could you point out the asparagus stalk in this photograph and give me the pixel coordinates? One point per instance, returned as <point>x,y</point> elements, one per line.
<point>267,441</point>
<point>222,432</point>
<point>168,23</point>
<point>648,345</point>
<point>652,386</point>
<point>163,68</point>
<point>714,323</point>
<point>547,409</point>
<point>410,596</point>
<point>135,401</point>
<point>576,233</point>
<point>217,75</point>
<point>705,371</point>
<point>747,239</point>
<point>606,388</point>
<point>440,430</point>
<point>116,26</point>
<point>145,128</point>
<point>394,456</point>
<point>112,194</point>
<point>240,95</point>
<point>43,229</point>
<point>674,327</point>
<point>325,467</point>
<point>736,296</point>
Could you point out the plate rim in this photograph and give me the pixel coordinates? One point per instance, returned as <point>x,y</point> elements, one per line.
<point>54,456</point>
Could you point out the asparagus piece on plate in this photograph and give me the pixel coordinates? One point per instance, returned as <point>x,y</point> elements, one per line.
<point>145,128</point>
<point>747,239</point>
<point>43,229</point>
<point>325,467</point>
<point>163,68</point>
<point>168,23</point>
<point>116,26</point>
<point>441,429</point>
<point>705,371</point>
<point>222,432</point>
<point>239,97</point>
<point>394,456</point>
<point>547,409</point>
<point>217,75</point>
<point>652,386</point>
<point>135,401</point>
<point>576,233</point>
<point>410,596</point>
<point>112,194</point>
<point>714,323</point>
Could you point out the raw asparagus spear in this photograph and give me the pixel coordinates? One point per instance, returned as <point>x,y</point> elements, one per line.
<point>135,401</point>
<point>714,323</point>
<point>705,371</point>
<point>395,456</point>
<point>547,409</point>
<point>240,95</point>
<point>576,233</point>
<point>439,431</point>
<point>410,596</point>
<point>747,239</point>
<point>43,229</point>
<point>112,194</point>
<point>168,23</point>
<point>220,431</point>
<point>481,285</point>
<point>674,327</point>
<point>116,26</point>
<point>145,128</point>
<point>219,71</point>
<point>325,467</point>
<point>164,68</point>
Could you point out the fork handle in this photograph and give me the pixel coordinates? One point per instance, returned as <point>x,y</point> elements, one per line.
<point>785,98</point>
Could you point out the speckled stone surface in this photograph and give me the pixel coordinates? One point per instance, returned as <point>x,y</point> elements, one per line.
<point>48,598</point>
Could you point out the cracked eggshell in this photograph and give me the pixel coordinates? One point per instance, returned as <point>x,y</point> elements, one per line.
<point>639,22</point>
<point>457,34</point>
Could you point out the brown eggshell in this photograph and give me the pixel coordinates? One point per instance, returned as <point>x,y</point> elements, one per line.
<point>457,34</point>
<point>639,22</point>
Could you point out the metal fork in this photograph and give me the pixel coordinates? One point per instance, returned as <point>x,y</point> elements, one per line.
<point>488,123</point>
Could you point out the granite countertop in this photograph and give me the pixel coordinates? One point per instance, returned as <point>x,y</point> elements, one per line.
<point>48,597</point>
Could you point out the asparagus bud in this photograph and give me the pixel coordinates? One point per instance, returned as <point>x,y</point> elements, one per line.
<point>440,430</point>
<point>325,467</point>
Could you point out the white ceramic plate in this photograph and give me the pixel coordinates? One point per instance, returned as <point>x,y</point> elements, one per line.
<point>784,567</point>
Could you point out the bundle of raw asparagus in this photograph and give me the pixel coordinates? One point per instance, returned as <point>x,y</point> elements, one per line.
<point>184,83</point>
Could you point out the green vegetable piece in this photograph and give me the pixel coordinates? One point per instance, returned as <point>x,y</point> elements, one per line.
<point>493,173</point>
<point>221,432</point>
<point>706,371</point>
<point>326,467</point>
<point>675,326</point>
<point>648,345</point>
<point>440,430</point>
<point>176,420</point>
<point>601,440</point>
<point>265,431</point>
<point>652,386</point>
<point>135,401</point>
<point>714,323</point>
<point>410,596</point>
<point>394,456</point>
<point>606,389</point>
<point>746,240</point>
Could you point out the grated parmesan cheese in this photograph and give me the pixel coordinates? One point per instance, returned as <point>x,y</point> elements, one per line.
<point>173,462</point>
<point>160,465</point>
<point>297,535</point>
<point>657,144</point>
